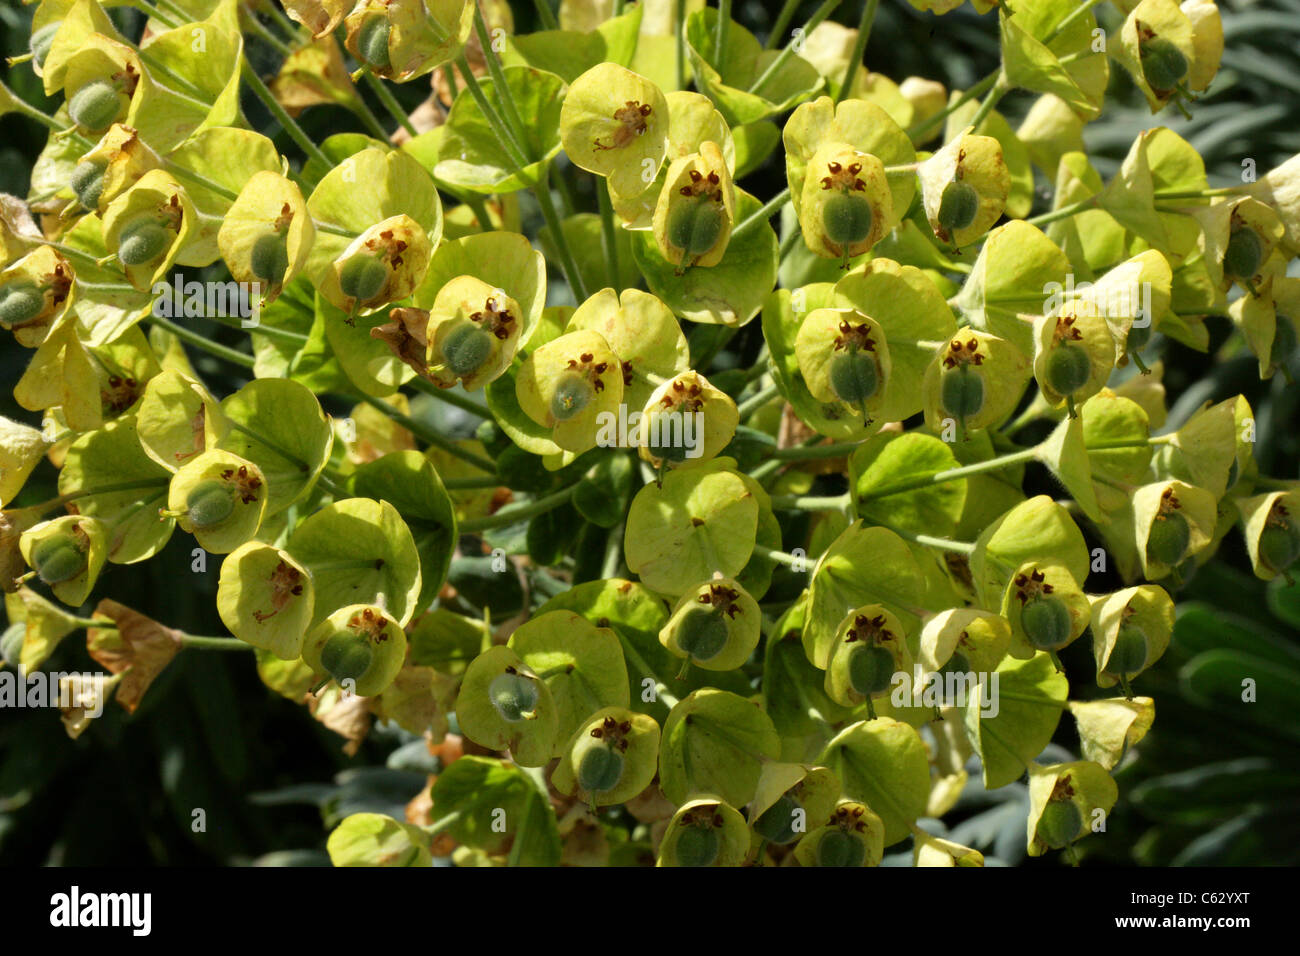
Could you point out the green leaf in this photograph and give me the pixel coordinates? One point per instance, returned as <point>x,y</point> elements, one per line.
<point>889,460</point>
<point>715,742</point>
<point>1029,699</point>
<point>372,839</point>
<point>883,764</point>
<point>1222,679</point>
<point>1063,452</point>
<point>498,806</point>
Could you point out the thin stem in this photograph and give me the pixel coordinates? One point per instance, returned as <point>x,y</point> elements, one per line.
<point>608,235</point>
<point>512,514</point>
<point>944,544</point>
<point>429,436</point>
<point>214,643</point>
<point>978,89</point>
<point>568,264</point>
<point>546,15</point>
<point>803,452</point>
<point>952,474</point>
<point>290,125</point>
<point>824,11</point>
<point>757,401</point>
<point>783,557</point>
<point>242,359</point>
<point>394,108</point>
<point>770,209</point>
<point>450,397</point>
<point>724,24</point>
<point>782,23</point>
<point>1000,89</point>
<point>512,147</point>
<point>663,694</point>
<point>504,95</point>
<point>261,30</point>
<point>810,502</point>
<point>1065,212</point>
<point>613,552</point>
<point>869,8</point>
<point>1201,193</point>
<point>679,25</point>
<point>61,500</point>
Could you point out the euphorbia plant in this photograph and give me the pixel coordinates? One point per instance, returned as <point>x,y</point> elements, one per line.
<point>767,488</point>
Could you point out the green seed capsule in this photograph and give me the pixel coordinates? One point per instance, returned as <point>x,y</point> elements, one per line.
<point>1046,623</point>
<point>87,181</point>
<point>571,396</point>
<point>957,664</point>
<point>847,219</point>
<point>776,824</point>
<point>346,656</point>
<point>1244,253</point>
<point>42,40</point>
<point>1284,341</point>
<point>466,349</point>
<point>854,376</point>
<point>837,848</point>
<point>1138,337</point>
<point>1168,540</point>
<point>1060,824</point>
<point>372,42</point>
<point>58,559</point>
<point>961,392</point>
<point>11,643</point>
<point>694,226</point>
<point>20,302</point>
<point>600,769</point>
<point>1068,369</point>
<point>1279,546</point>
<point>209,503</point>
<point>958,206</point>
<point>362,277</point>
<point>1163,64</point>
<point>270,257</point>
<point>871,670</point>
<point>697,846</point>
<point>702,634</point>
<point>142,242</point>
<point>1129,655</point>
<point>95,106</point>
<point>669,428</point>
<point>513,695</point>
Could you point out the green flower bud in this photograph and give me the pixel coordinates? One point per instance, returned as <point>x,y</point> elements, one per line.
<point>1129,655</point>
<point>958,206</point>
<point>1244,253</point>
<point>513,695</point>
<point>1068,369</point>
<point>87,181</point>
<point>839,848</point>
<point>209,503</point>
<point>697,846</point>
<point>58,558</point>
<point>20,302</point>
<point>572,395</point>
<point>846,218</point>
<point>776,824</point>
<point>1168,539</point>
<point>961,392</point>
<point>1279,545</point>
<point>95,106</point>
<point>1060,824</point>
<point>11,643</point>
<point>466,349</point>
<point>42,40</point>
<point>871,669</point>
<point>855,375</point>
<point>694,225</point>
<point>142,242</point>
<point>1163,64</point>
<point>270,257</point>
<point>702,633</point>
<point>372,42</point>
<point>600,767</point>
<point>1046,623</point>
<point>1284,341</point>
<point>346,656</point>
<point>362,277</point>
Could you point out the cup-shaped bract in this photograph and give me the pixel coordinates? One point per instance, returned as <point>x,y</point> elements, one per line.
<point>177,419</point>
<point>147,225</point>
<point>35,291</point>
<point>265,598</point>
<point>854,836</point>
<point>383,264</point>
<point>99,81</point>
<point>472,333</point>
<point>1207,42</point>
<point>792,799</point>
<point>1172,521</point>
<point>964,640</point>
<point>405,39</point>
<point>504,705</point>
<point>642,332</point>
<point>1074,354</point>
<point>267,234</point>
<point>964,187</point>
<point>844,357</point>
<point>1130,632</point>
<point>846,206</point>
<point>975,380</point>
<point>704,832</point>
<point>696,209</point>
<point>1237,239</point>
<point>1157,46</point>
<point>1046,608</point>
<point>685,420</point>
<point>715,625</point>
<point>870,649</point>
<point>67,553</point>
<point>1066,802</point>
<point>21,449</point>
<point>360,647</point>
<point>36,628</point>
<point>615,123</point>
<point>1271,527</point>
<point>117,162</point>
<point>1268,319</point>
<point>220,498</point>
<point>568,385</point>
<point>610,758</point>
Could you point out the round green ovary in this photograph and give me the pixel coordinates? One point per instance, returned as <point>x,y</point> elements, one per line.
<point>1284,341</point>
<point>209,503</point>
<point>11,643</point>
<point>1163,64</point>
<point>697,846</point>
<point>1129,655</point>
<point>854,376</point>
<point>87,181</point>
<point>58,559</point>
<point>961,392</point>
<point>702,634</point>
<point>694,226</point>
<point>847,219</point>
<point>1168,540</point>
<point>1138,337</point>
<point>142,242</point>
<point>1244,253</point>
<point>270,257</point>
<point>958,206</point>
<point>1068,369</point>
<point>776,823</point>
<point>362,277</point>
<point>466,348</point>
<point>42,40</point>
<point>1060,823</point>
<point>871,669</point>
<point>668,435</point>
<point>599,769</point>
<point>95,106</point>
<point>837,848</point>
<point>1046,623</point>
<point>956,664</point>
<point>20,302</point>
<point>1279,546</point>
<point>572,396</point>
<point>346,656</point>
<point>372,42</point>
<point>514,696</point>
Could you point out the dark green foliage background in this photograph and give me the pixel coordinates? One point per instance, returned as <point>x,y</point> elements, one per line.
<point>210,736</point>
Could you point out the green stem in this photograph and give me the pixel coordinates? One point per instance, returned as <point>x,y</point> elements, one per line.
<point>824,11</point>
<point>450,397</point>
<point>1000,89</point>
<point>978,89</point>
<point>757,401</point>
<point>214,643</point>
<point>429,436</point>
<point>608,235</point>
<point>267,36</point>
<point>782,557</point>
<point>1065,212</point>
<point>782,23</point>
<point>394,108</point>
<point>859,48</point>
<point>504,95</point>
<point>724,24</point>
<point>61,500</point>
<point>512,514</point>
<point>804,452</point>
<point>770,209</point>
<point>289,124</point>
<point>810,502</point>
<point>679,26</point>
<point>512,147</point>
<point>952,474</point>
<point>546,15</point>
<point>662,692</point>
<point>1201,193</point>
<point>944,544</point>
<point>568,264</point>
<point>242,359</point>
